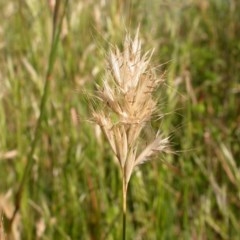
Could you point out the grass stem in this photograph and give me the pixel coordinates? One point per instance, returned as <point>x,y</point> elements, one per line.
<point>30,162</point>
<point>124,207</point>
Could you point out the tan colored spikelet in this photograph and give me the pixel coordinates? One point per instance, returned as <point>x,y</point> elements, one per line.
<point>128,105</point>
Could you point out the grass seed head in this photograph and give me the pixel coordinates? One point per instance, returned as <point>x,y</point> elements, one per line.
<point>127,96</point>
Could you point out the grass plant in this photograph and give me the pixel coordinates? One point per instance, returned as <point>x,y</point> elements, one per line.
<point>72,190</point>
<point>127,96</point>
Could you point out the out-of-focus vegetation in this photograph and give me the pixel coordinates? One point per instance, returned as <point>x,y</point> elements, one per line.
<point>72,189</point>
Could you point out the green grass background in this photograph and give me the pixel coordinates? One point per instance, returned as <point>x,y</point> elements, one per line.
<point>72,186</point>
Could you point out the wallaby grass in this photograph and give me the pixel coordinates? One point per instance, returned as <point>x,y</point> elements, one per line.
<point>74,189</point>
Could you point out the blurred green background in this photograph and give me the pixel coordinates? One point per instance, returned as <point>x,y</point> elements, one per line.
<point>55,163</point>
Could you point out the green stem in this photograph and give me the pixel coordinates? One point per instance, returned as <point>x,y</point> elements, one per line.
<point>124,207</point>
<point>51,61</point>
